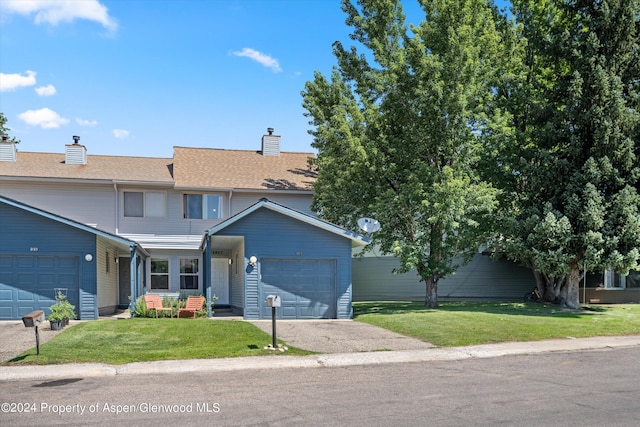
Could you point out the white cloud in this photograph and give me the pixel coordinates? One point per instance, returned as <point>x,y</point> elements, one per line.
<point>120,133</point>
<point>54,12</point>
<point>83,122</point>
<point>14,81</point>
<point>46,90</point>
<point>260,57</point>
<point>44,117</point>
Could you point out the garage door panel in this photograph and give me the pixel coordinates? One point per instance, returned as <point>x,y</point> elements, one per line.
<point>46,262</point>
<point>23,295</point>
<point>6,295</point>
<point>25,261</point>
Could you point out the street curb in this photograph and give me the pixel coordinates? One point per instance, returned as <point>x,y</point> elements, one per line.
<point>85,370</point>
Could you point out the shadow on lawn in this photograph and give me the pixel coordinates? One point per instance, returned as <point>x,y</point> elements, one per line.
<point>504,308</point>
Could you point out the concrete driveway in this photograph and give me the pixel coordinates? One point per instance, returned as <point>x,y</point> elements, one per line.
<point>339,336</point>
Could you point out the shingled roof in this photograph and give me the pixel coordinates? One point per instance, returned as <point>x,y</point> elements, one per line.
<point>190,168</point>
<point>111,168</point>
<point>241,169</point>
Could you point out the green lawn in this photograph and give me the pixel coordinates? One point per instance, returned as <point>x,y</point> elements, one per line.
<point>468,323</point>
<point>141,340</point>
<point>452,324</point>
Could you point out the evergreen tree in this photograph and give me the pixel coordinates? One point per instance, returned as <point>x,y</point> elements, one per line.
<point>579,163</point>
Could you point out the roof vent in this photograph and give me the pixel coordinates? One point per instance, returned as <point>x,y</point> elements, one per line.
<point>75,154</point>
<point>270,144</point>
<point>7,149</point>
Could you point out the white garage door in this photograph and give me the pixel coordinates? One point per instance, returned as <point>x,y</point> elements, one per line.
<point>307,288</point>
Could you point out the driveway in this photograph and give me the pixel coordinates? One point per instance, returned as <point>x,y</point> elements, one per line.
<point>339,336</point>
<point>15,338</point>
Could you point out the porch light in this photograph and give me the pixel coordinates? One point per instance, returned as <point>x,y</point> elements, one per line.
<point>253,260</point>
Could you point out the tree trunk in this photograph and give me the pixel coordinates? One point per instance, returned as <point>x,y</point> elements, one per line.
<point>541,282</point>
<point>572,286</point>
<point>431,297</point>
<point>431,282</point>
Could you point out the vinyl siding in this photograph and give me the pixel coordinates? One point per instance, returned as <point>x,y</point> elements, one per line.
<point>482,278</point>
<point>91,204</point>
<point>174,222</point>
<point>97,205</point>
<point>298,202</point>
<point>237,279</point>
<point>107,280</point>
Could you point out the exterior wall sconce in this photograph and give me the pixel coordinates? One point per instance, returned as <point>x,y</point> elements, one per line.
<point>253,260</point>
<point>88,257</point>
<point>230,261</point>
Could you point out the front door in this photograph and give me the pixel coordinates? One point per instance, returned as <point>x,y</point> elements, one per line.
<point>220,280</point>
<point>124,279</point>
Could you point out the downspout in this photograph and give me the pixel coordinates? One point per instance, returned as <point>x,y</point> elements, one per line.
<point>229,210</point>
<point>207,275</point>
<point>115,188</point>
<point>133,273</point>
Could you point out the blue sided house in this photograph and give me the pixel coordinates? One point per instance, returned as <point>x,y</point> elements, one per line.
<point>302,259</point>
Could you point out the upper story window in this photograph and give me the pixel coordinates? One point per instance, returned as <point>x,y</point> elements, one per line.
<point>202,206</point>
<point>138,204</point>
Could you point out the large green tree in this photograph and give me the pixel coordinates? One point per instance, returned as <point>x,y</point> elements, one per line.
<point>578,127</point>
<point>400,127</point>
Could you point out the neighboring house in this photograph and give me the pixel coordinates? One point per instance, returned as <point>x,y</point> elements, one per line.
<point>196,218</point>
<point>482,279</point>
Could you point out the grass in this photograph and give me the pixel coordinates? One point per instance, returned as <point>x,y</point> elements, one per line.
<point>469,323</point>
<point>452,324</point>
<point>143,340</point>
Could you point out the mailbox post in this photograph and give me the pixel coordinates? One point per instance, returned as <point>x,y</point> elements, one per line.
<point>32,320</point>
<point>273,301</point>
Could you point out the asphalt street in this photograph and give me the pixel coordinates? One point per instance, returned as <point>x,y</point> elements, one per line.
<point>567,388</point>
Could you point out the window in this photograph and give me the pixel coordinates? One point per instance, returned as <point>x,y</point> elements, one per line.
<point>138,204</point>
<point>202,206</point>
<point>189,273</point>
<point>159,273</point>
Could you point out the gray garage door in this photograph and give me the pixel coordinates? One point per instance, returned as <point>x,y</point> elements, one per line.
<point>28,283</point>
<point>307,288</point>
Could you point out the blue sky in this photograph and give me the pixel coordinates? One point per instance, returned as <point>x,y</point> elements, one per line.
<point>138,77</point>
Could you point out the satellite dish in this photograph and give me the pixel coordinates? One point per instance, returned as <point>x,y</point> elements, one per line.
<point>368,225</point>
